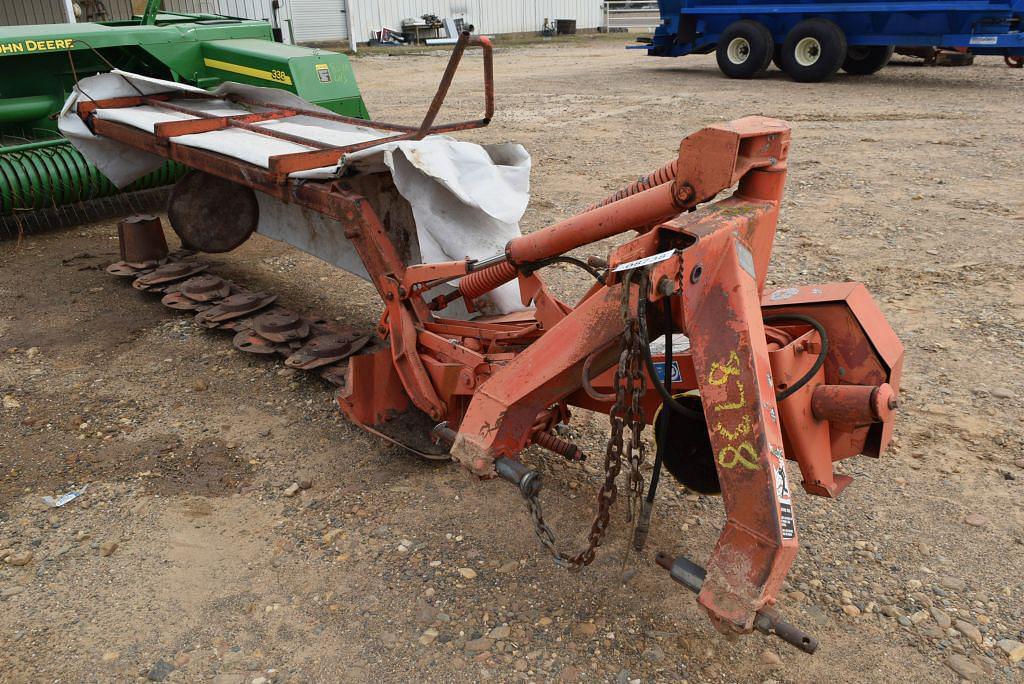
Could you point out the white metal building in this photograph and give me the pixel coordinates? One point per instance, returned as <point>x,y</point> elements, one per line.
<point>487,16</point>
<point>334,21</point>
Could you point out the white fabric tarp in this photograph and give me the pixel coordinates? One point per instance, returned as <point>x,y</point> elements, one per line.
<point>467,199</point>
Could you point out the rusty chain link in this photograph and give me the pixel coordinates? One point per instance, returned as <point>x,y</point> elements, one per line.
<point>629,379</point>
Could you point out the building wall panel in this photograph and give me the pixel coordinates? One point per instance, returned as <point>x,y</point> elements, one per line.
<point>487,16</point>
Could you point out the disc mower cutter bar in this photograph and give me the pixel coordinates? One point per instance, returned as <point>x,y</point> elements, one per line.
<point>808,374</point>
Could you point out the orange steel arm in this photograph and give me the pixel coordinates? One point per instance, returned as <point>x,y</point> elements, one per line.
<point>719,274</point>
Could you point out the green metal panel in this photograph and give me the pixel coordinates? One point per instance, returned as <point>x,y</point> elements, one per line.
<point>39,66</point>
<point>325,79</point>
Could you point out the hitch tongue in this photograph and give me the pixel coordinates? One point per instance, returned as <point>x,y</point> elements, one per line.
<point>519,474</point>
<point>767,621</point>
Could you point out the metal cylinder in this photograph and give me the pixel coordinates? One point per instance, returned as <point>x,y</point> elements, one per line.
<point>53,173</point>
<point>854,404</point>
<point>652,180</point>
<point>141,238</point>
<point>14,110</point>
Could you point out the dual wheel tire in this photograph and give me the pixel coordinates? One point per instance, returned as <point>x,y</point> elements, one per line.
<point>814,50</point>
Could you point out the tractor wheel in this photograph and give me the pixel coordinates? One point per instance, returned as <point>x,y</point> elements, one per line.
<point>813,51</point>
<point>864,60</point>
<point>1014,61</point>
<point>745,49</point>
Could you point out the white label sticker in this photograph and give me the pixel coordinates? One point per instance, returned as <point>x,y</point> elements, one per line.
<point>646,261</point>
<point>984,40</point>
<point>782,482</point>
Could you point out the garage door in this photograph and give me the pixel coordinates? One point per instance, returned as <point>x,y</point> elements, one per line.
<point>318,20</point>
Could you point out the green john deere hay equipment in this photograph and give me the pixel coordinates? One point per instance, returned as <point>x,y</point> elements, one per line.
<point>45,182</point>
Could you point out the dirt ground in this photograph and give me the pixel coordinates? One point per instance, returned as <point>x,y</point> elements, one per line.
<point>908,181</point>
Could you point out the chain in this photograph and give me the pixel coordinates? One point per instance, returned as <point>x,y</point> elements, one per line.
<point>630,385</point>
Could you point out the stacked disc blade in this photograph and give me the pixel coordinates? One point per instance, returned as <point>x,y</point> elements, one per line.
<point>260,327</point>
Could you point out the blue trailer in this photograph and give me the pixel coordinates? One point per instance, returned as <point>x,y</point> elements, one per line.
<point>812,39</point>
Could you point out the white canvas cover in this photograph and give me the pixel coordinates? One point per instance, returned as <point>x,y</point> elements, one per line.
<point>467,199</point>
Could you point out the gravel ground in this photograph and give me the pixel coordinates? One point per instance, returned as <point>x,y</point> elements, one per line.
<point>186,559</point>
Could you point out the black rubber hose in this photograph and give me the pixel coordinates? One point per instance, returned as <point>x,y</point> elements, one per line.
<point>818,363</point>
<point>531,267</point>
<point>645,349</point>
<point>662,438</point>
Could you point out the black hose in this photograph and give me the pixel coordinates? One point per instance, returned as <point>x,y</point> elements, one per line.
<point>645,349</point>
<point>662,438</point>
<point>818,363</point>
<point>527,269</point>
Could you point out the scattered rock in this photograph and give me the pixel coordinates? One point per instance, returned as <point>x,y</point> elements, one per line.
<point>1013,649</point>
<point>508,567</point>
<point>200,385</point>
<point>1002,393</point>
<point>653,654</point>
<point>110,656</point>
<point>429,636</point>
<point>770,659</point>
<point>520,665</point>
<point>965,668</point>
<point>331,535</point>
<point>569,675</point>
<point>160,671</point>
<point>10,402</point>
<point>954,583</point>
<point>19,559</point>
<point>968,630</point>
<point>921,598</point>
<point>8,592</point>
<point>587,629</point>
<point>851,610</point>
<point>292,489</point>
<point>305,481</point>
<point>544,621</point>
<point>976,520</point>
<point>919,617</point>
<point>500,632</point>
<point>941,619</point>
<point>107,548</point>
<point>479,645</point>
<point>467,573</point>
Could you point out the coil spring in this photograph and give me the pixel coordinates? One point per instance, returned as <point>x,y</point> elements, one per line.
<point>661,176</point>
<point>559,446</point>
<point>485,280</point>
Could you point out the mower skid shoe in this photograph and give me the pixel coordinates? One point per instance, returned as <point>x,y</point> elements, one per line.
<point>722,313</point>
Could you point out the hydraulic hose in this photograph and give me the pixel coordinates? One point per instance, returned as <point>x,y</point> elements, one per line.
<point>818,363</point>
<point>645,349</point>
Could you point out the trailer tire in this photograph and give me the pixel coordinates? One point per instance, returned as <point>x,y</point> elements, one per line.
<point>745,49</point>
<point>813,51</point>
<point>864,60</point>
